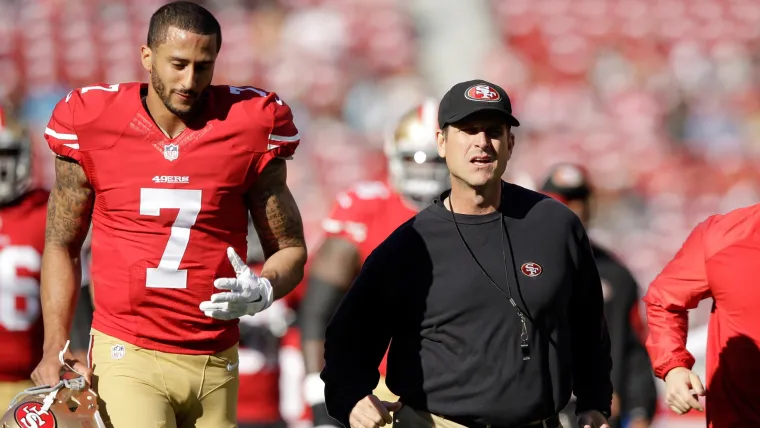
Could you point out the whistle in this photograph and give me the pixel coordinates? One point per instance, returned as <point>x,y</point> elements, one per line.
<point>525,348</point>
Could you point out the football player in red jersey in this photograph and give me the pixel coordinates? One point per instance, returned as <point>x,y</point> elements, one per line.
<point>22,238</point>
<point>167,173</point>
<point>360,220</point>
<point>261,341</point>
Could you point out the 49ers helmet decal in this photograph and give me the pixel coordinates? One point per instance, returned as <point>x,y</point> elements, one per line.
<point>70,404</point>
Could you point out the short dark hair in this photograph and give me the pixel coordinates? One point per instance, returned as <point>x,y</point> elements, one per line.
<point>186,16</point>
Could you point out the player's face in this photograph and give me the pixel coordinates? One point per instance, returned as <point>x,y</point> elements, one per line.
<point>181,68</point>
<point>477,148</point>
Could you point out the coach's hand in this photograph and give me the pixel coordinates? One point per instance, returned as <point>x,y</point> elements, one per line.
<point>248,293</point>
<point>592,419</point>
<point>678,385</point>
<point>371,412</point>
<point>48,371</point>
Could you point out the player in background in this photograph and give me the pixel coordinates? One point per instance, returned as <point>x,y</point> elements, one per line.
<point>22,238</point>
<point>261,344</point>
<point>362,218</point>
<point>167,173</point>
<point>635,397</point>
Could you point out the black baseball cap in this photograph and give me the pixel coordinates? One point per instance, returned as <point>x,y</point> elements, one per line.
<point>472,96</point>
<point>567,182</point>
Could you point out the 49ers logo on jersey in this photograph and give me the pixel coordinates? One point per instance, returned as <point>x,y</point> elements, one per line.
<point>531,269</point>
<point>30,415</point>
<point>482,93</point>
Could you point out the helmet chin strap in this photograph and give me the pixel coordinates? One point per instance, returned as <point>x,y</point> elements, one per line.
<point>76,384</point>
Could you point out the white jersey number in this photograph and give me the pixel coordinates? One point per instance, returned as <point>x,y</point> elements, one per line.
<point>19,296</point>
<point>109,88</point>
<point>168,274</point>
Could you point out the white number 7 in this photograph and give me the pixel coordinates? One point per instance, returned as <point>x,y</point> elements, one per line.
<point>237,90</point>
<point>168,274</point>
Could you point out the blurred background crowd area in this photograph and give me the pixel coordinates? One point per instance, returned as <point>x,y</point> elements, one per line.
<point>658,99</point>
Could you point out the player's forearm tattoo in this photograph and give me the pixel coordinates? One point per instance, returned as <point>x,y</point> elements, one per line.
<point>69,206</point>
<point>274,210</point>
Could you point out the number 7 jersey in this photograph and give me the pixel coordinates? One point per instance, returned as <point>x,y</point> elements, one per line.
<point>166,209</point>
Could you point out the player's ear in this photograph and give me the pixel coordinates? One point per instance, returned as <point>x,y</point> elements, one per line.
<point>146,57</point>
<point>440,136</point>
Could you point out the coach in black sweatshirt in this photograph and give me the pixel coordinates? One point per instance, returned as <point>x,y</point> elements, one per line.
<point>489,298</point>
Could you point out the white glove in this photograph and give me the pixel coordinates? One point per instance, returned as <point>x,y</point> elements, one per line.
<point>248,293</point>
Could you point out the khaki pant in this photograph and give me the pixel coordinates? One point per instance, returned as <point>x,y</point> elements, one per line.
<point>382,392</point>
<point>8,390</point>
<point>140,388</point>
<point>407,417</point>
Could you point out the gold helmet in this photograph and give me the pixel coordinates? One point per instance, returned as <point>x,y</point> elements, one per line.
<point>15,158</point>
<point>414,167</point>
<point>70,404</point>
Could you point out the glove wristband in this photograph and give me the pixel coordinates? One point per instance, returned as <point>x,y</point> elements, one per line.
<point>269,296</point>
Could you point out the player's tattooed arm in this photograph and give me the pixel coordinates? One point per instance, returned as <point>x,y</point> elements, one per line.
<point>70,206</point>
<point>278,223</point>
<point>68,220</point>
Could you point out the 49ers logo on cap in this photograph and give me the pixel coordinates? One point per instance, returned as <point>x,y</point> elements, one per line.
<point>30,415</point>
<point>482,93</point>
<point>531,269</point>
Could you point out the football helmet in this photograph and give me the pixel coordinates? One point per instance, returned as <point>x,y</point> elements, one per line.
<point>70,404</point>
<point>415,169</point>
<point>15,158</point>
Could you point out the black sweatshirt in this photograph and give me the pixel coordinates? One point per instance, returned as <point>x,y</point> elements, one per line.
<point>455,348</point>
<point>632,378</point>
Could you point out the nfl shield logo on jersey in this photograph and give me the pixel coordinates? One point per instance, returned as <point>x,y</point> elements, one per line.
<point>171,151</point>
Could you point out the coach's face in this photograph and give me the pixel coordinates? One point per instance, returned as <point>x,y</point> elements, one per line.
<point>477,148</point>
<point>181,68</point>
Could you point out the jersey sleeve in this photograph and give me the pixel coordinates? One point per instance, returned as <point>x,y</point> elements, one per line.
<point>60,133</point>
<point>680,286</point>
<point>283,138</point>
<point>346,219</point>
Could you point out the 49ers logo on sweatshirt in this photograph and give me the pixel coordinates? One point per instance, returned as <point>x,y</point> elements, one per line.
<point>30,415</point>
<point>531,269</point>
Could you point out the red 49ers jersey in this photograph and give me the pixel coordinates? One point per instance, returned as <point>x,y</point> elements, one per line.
<point>166,209</point>
<point>367,214</point>
<point>22,238</point>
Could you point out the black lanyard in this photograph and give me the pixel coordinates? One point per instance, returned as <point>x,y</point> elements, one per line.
<point>524,345</point>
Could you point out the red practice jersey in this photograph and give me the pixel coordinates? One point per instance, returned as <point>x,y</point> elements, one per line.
<point>22,238</point>
<point>365,216</point>
<point>719,260</point>
<point>166,209</point>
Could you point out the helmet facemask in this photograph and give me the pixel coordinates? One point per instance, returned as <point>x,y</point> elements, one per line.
<point>15,161</point>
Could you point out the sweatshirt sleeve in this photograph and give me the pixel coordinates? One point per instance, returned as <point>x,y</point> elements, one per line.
<point>592,363</point>
<point>356,338</point>
<point>679,287</point>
